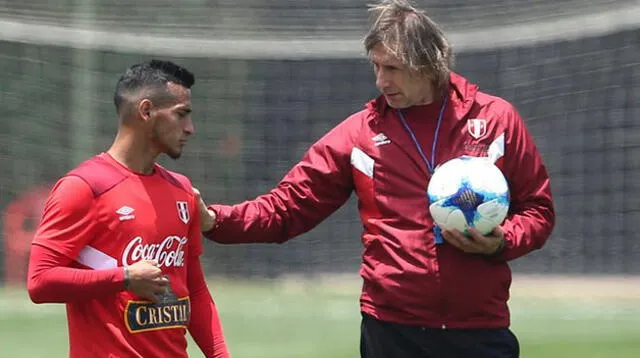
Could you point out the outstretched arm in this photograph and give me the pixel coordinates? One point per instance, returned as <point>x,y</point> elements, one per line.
<point>312,190</point>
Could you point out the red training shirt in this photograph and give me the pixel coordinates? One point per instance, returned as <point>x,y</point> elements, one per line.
<point>101,217</point>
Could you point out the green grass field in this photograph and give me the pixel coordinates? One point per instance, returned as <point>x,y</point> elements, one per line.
<point>561,317</point>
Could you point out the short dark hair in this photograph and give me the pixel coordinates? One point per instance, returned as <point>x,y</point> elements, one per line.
<point>151,74</point>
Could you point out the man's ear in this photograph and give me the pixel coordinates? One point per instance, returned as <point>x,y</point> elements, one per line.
<point>144,109</point>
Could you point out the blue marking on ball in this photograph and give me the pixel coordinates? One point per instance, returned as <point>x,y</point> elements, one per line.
<point>467,200</point>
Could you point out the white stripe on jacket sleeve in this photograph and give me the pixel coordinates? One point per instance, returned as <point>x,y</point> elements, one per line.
<point>496,149</point>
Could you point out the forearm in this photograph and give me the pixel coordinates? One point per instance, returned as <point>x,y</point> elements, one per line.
<point>293,208</point>
<point>311,191</point>
<point>527,231</point>
<point>249,222</point>
<point>532,215</point>
<point>205,326</point>
<point>51,281</point>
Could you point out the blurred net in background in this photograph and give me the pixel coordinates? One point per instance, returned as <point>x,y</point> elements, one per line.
<point>273,76</point>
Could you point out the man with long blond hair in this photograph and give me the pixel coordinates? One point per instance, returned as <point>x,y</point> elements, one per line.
<point>423,295</point>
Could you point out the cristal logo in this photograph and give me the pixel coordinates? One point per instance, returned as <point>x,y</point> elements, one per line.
<point>169,252</point>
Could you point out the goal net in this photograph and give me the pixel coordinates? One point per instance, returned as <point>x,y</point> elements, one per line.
<point>273,76</point>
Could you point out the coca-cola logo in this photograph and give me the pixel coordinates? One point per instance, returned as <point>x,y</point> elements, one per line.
<point>169,252</point>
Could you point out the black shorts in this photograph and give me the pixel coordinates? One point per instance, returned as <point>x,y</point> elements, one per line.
<point>390,340</point>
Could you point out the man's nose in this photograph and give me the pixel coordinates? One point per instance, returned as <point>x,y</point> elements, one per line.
<point>382,79</point>
<point>188,127</point>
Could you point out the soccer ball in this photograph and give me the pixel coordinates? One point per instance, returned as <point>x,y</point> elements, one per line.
<point>468,192</point>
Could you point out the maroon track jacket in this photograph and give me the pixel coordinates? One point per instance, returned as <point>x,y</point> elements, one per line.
<point>408,278</point>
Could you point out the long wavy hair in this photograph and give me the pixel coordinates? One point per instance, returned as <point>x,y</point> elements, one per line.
<point>413,37</point>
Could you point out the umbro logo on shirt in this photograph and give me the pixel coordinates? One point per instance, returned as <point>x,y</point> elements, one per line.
<point>126,213</point>
<point>380,139</point>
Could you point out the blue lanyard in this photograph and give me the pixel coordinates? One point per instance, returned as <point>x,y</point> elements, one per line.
<point>430,165</point>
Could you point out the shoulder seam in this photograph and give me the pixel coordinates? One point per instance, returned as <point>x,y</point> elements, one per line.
<point>93,189</point>
<point>174,179</point>
<point>99,174</point>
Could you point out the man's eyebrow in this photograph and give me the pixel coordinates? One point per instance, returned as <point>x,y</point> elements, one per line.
<point>186,109</point>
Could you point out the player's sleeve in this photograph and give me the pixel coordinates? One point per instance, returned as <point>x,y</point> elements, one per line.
<point>531,215</point>
<point>311,191</point>
<point>68,224</point>
<point>205,326</point>
<point>69,217</point>
<point>195,235</point>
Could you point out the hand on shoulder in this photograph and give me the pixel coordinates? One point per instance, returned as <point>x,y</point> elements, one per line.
<point>207,216</point>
